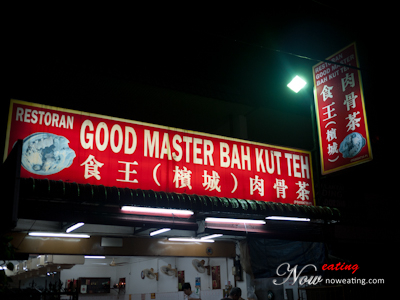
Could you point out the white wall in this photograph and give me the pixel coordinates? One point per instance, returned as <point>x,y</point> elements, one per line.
<point>166,287</point>
<point>166,284</point>
<point>89,271</point>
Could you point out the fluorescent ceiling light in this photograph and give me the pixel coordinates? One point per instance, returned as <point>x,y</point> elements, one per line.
<point>159,231</point>
<point>54,234</point>
<point>190,240</point>
<point>227,220</point>
<point>211,236</point>
<point>287,218</point>
<point>296,84</point>
<point>95,256</point>
<point>152,210</point>
<point>73,227</point>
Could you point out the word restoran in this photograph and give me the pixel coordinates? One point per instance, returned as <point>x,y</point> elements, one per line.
<point>40,117</point>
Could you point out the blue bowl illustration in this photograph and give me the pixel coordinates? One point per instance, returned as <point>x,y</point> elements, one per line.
<point>352,145</point>
<point>45,153</point>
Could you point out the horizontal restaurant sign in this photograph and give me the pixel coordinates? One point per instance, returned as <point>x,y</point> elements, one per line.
<point>73,146</point>
<point>342,121</point>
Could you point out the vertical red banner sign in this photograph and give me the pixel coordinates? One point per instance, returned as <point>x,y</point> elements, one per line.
<point>340,109</point>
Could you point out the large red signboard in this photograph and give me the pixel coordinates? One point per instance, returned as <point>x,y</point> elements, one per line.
<point>342,121</point>
<point>73,146</point>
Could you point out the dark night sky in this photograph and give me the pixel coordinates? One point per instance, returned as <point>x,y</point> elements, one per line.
<point>93,58</point>
<point>79,57</point>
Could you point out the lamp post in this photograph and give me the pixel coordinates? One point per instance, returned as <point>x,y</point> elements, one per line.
<point>296,85</point>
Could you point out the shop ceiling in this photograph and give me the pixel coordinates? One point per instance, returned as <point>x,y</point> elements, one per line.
<point>54,205</point>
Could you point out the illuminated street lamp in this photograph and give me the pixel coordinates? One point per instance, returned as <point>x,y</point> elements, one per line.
<point>296,84</point>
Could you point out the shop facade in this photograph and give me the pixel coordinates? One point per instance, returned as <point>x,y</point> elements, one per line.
<point>43,203</point>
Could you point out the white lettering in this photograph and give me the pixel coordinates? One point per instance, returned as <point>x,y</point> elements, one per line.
<point>269,162</point>
<point>116,148</point>
<point>165,147</point>
<point>70,122</point>
<point>237,160</point>
<point>313,280</point>
<point>246,157</point>
<point>41,113</point>
<point>62,121</point>
<point>295,158</point>
<point>55,119</point>
<point>34,118</point>
<point>259,160</point>
<point>235,157</point>
<point>296,165</point>
<point>177,138</point>
<point>224,155</point>
<point>47,119</point>
<point>115,137</point>
<point>289,163</point>
<point>27,115</point>
<point>188,140</point>
<point>129,131</point>
<point>208,152</point>
<point>19,114</point>
<point>102,146</point>
<point>323,73</point>
<point>197,151</point>
<point>278,156</point>
<point>89,136</point>
<point>151,145</point>
<point>305,168</point>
